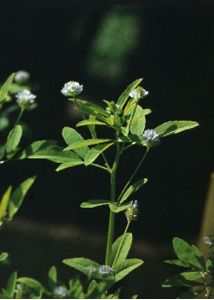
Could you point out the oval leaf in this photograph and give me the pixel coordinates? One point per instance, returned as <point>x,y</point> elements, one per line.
<point>174,127</point>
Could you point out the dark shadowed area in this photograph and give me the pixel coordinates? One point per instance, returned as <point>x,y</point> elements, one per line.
<point>105,47</point>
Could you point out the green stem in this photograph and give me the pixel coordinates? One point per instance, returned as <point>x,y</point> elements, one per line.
<point>112,214</point>
<point>93,135</point>
<point>132,116</point>
<point>101,167</point>
<point>121,243</point>
<point>19,116</point>
<point>134,173</point>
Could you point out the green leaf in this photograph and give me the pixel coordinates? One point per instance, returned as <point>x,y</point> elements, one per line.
<point>94,203</point>
<point>4,202</point>
<point>138,122</point>
<point>5,88</point>
<point>174,127</point>
<point>116,208</point>
<point>86,143</point>
<point>35,147</point>
<point>125,95</point>
<point>90,122</point>
<point>127,266</point>
<point>52,277</point>
<point>124,248</point>
<point>13,140</point>
<point>3,256</point>
<point>133,188</point>
<point>90,108</point>
<point>94,152</point>
<point>18,196</point>
<point>69,165</point>
<point>183,279</point>
<point>81,264</point>
<point>11,285</point>
<point>100,291</point>
<point>57,155</point>
<point>72,136</point>
<point>76,290</point>
<point>188,254</point>
<point>31,283</point>
<point>175,262</point>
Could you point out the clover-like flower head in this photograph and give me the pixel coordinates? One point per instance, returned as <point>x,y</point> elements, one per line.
<point>60,292</point>
<point>151,137</point>
<point>72,88</point>
<point>25,98</point>
<point>105,270</point>
<point>208,240</point>
<point>21,76</point>
<point>132,211</point>
<point>138,93</point>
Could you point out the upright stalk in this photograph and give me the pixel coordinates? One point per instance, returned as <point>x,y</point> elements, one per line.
<point>111,213</point>
<point>19,116</point>
<point>133,174</point>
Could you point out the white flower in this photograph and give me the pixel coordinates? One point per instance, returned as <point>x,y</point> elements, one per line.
<point>21,76</point>
<point>138,93</point>
<point>145,92</point>
<point>105,270</point>
<point>208,240</point>
<point>25,97</point>
<point>60,292</point>
<point>72,88</point>
<point>134,204</point>
<point>135,94</point>
<point>150,137</point>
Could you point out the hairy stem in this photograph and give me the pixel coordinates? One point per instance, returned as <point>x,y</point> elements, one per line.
<point>112,214</point>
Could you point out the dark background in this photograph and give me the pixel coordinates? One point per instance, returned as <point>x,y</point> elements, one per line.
<point>105,47</point>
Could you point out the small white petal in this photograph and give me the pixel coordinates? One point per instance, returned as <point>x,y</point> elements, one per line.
<point>72,88</point>
<point>25,97</point>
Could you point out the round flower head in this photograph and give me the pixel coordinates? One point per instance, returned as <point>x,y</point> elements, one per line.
<point>105,270</point>
<point>135,94</point>
<point>25,98</point>
<point>60,292</point>
<point>138,93</point>
<point>132,211</point>
<point>150,137</point>
<point>208,240</point>
<point>21,76</point>
<point>72,88</point>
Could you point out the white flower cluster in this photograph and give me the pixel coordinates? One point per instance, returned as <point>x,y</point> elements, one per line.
<point>25,98</point>
<point>208,240</point>
<point>105,270</point>
<point>150,137</point>
<point>21,76</point>
<point>72,88</point>
<point>138,93</point>
<point>135,94</point>
<point>60,292</point>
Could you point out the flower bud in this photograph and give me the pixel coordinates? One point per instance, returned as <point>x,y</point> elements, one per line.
<point>132,211</point>
<point>21,76</point>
